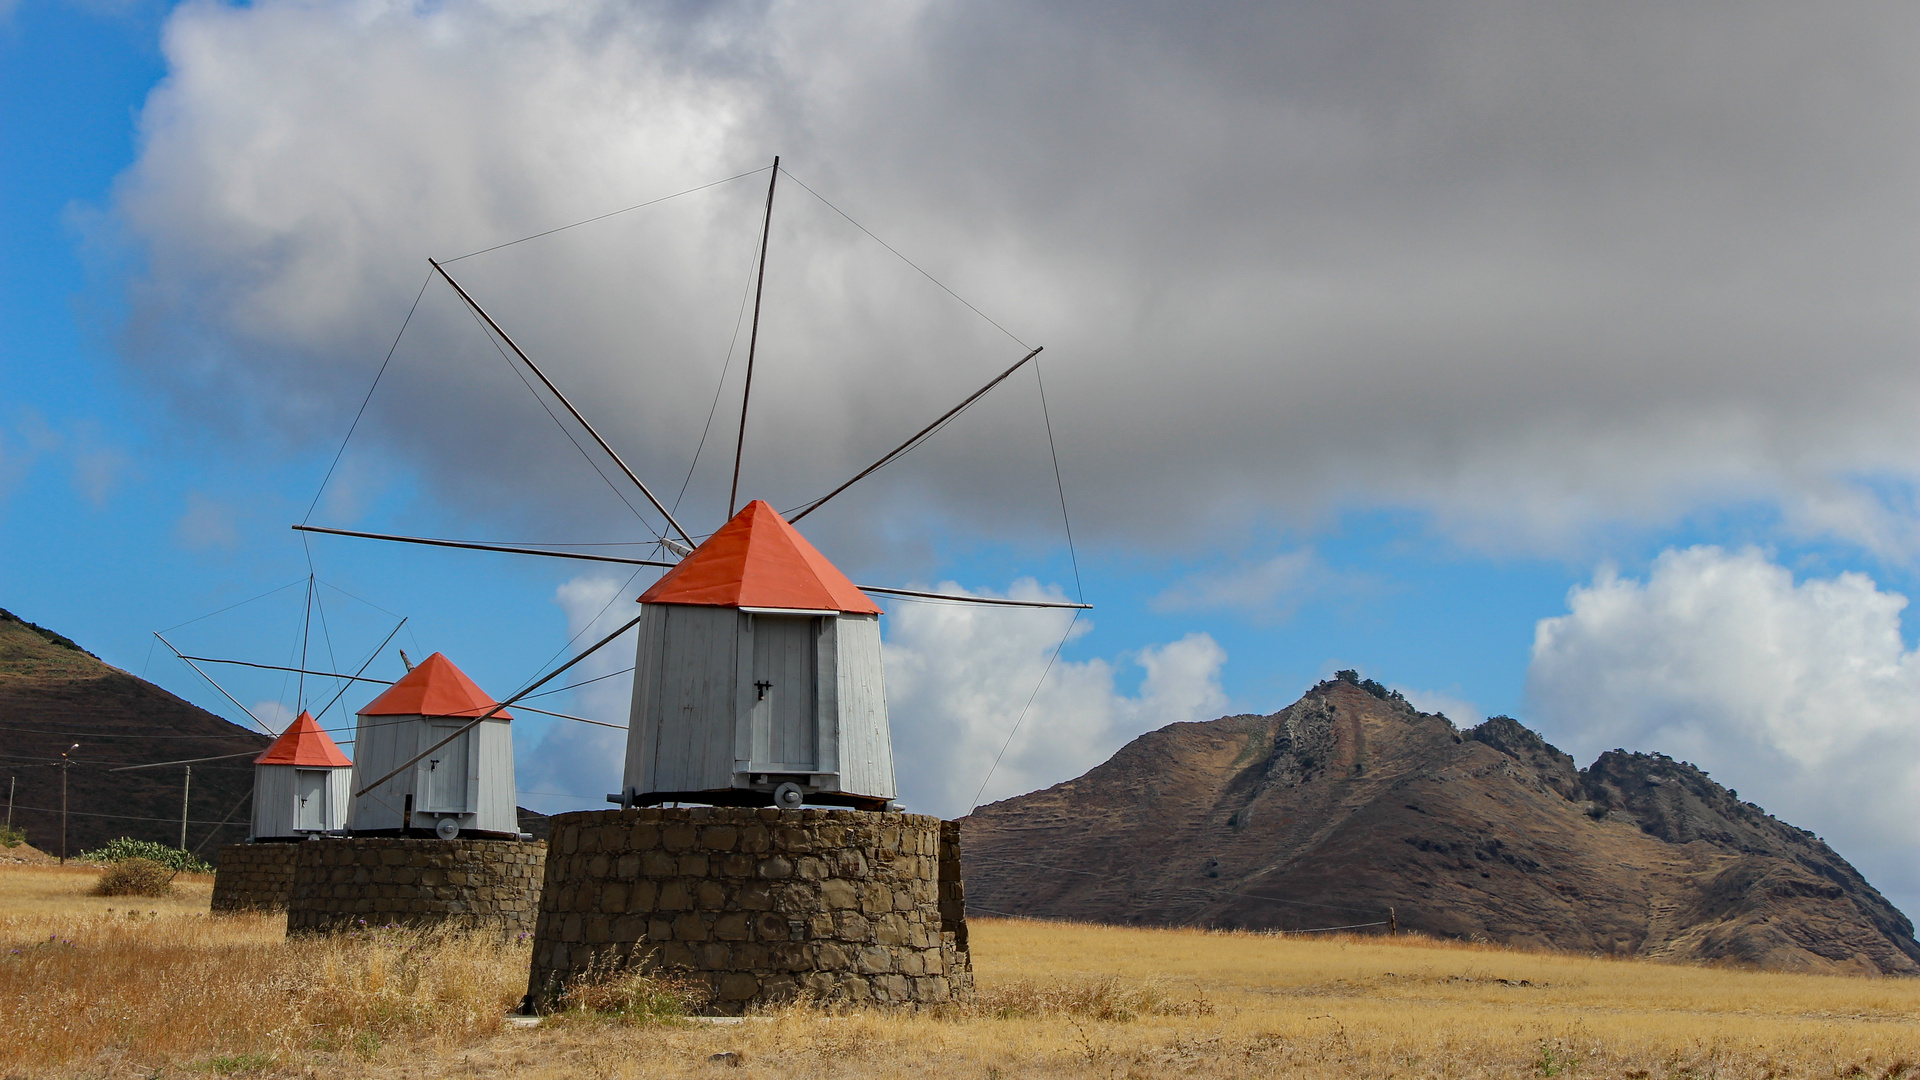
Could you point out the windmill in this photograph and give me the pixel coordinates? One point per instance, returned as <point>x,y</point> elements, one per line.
<point>758,677</point>
<point>300,784</point>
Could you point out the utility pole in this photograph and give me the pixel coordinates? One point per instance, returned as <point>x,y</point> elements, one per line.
<point>186,786</point>
<point>65,764</point>
<point>11,780</point>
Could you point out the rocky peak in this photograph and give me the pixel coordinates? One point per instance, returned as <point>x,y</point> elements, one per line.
<point>1512,738</point>
<point>1350,803</point>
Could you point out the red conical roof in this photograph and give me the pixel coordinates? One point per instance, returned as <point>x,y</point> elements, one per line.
<point>758,560</point>
<point>434,688</point>
<point>303,743</point>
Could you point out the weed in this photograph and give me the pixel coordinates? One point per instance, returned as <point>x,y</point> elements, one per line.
<point>1551,1061</point>
<point>135,877</point>
<point>631,996</point>
<point>1109,999</point>
<point>11,837</point>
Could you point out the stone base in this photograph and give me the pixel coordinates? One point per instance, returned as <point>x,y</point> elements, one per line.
<point>761,905</point>
<point>254,877</point>
<point>356,882</point>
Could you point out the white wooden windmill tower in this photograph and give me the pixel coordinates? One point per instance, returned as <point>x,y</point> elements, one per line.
<point>434,753</point>
<point>758,674</point>
<point>300,784</point>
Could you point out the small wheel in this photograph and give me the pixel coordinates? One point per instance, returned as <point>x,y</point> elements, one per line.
<point>447,829</point>
<point>788,796</point>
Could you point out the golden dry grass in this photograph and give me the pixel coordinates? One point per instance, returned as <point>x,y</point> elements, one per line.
<point>181,993</point>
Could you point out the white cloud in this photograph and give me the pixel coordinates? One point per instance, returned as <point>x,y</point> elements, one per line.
<point>1462,257</point>
<point>583,762</point>
<point>1801,695</point>
<point>959,678</point>
<point>274,714</point>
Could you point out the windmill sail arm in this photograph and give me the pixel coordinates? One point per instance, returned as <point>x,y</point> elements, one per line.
<point>575,413</point>
<point>214,684</point>
<point>918,437</point>
<point>467,545</point>
<point>994,601</point>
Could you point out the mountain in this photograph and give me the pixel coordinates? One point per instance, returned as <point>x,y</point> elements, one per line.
<point>53,694</point>
<point>1351,808</point>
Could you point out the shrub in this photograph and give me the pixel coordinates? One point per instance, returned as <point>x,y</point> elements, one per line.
<point>135,877</point>
<point>11,837</point>
<point>127,847</point>
<point>632,996</point>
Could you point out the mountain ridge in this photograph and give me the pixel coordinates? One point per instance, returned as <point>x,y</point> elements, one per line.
<point>1352,807</point>
<point>54,693</point>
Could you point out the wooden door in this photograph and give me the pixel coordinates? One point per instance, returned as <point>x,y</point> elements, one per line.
<point>445,770</point>
<point>786,693</point>
<point>310,799</point>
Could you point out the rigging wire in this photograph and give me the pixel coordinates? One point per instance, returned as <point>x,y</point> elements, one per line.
<point>733,343</point>
<point>1079,590</point>
<point>583,682</point>
<point>369,603</point>
<point>610,213</point>
<point>1023,712</point>
<point>904,259</point>
<point>544,407</point>
<point>326,635</point>
<point>919,439</point>
<point>617,594</point>
<point>351,428</point>
<point>229,607</point>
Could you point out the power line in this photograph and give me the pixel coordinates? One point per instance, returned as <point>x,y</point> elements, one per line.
<point>119,817</point>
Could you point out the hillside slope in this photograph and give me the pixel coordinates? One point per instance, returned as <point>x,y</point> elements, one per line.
<point>54,694</point>
<point>1351,807</point>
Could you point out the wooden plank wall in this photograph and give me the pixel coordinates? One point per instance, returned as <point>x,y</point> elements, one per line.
<point>866,741</point>
<point>272,800</point>
<point>493,796</point>
<point>685,699</point>
<point>378,742</point>
<point>339,794</point>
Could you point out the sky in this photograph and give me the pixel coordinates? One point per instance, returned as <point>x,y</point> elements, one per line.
<point>1547,361</point>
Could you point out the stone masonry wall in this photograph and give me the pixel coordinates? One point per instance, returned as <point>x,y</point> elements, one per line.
<point>759,904</point>
<point>254,877</point>
<point>347,882</point>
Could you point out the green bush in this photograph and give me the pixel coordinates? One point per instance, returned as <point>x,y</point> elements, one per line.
<point>11,837</point>
<point>128,848</point>
<point>135,877</point>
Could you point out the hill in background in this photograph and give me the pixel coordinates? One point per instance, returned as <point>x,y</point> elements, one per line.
<point>53,694</point>
<point>1351,807</point>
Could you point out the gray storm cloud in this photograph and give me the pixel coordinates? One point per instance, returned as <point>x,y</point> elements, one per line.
<point>1528,268</point>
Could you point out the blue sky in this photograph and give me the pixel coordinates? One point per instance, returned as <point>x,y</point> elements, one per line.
<point>1376,387</point>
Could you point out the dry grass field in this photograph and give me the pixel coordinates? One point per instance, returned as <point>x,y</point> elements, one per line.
<point>112,987</point>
